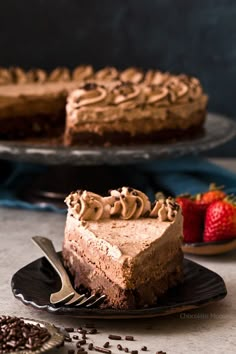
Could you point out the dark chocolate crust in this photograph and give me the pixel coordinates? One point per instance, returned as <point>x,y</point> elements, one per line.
<point>73,137</point>
<point>144,295</point>
<point>41,125</point>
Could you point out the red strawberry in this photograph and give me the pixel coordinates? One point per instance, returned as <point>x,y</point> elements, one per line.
<point>193,221</point>
<point>205,199</point>
<point>220,222</point>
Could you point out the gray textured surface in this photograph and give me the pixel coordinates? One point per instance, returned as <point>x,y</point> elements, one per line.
<point>211,329</point>
<point>174,334</point>
<point>218,130</point>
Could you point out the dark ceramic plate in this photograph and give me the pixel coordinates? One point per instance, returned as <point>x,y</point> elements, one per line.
<point>34,283</point>
<point>209,248</point>
<point>218,130</point>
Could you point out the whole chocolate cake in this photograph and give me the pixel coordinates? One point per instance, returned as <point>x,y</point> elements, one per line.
<point>104,107</point>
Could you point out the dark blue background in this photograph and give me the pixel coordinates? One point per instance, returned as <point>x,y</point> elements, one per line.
<point>195,37</point>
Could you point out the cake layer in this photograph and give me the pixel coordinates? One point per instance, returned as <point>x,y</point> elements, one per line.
<point>144,294</point>
<point>41,125</point>
<point>142,131</point>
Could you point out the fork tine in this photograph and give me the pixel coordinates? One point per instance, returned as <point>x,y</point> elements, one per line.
<point>97,302</point>
<point>77,298</point>
<point>86,301</point>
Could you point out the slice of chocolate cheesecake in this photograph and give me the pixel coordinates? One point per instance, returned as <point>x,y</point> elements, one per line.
<point>123,247</point>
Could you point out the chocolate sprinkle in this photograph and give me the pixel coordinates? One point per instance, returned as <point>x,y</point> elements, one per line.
<point>68,339</point>
<point>90,346</point>
<point>82,331</point>
<point>92,331</point>
<point>102,350</point>
<point>82,342</point>
<point>126,350</point>
<point>69,329</point>
<point>144,348</point>
<point>106,345</point>
<point>134,352</point>
<point>90,86</point>
<point>114,336</point>
<point>129,338</point>
<point>119,347</point>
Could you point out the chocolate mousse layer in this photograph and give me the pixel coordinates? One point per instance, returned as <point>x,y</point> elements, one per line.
<point>123,247</point>
<point>111,137</point>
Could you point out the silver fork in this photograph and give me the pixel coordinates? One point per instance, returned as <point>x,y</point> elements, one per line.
<point>67,294</point>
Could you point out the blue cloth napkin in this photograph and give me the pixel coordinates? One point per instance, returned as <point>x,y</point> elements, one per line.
<point>183,175</point>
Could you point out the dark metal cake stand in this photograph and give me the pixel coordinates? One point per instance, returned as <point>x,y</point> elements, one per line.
<point>218,130</point>
<point>90,167</point>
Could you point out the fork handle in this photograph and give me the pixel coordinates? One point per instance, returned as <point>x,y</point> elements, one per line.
<point>48,249</point>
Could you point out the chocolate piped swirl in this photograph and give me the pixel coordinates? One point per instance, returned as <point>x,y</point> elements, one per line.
<point>164,209</point>
<point>194,87</point>
<point>60,74</point>
<point>5,76</point>
<point>130,203</point>
<point>82,72</point>
<point>108,74</point>
<point>157,95</point>
<point>133,75</point>
<point>86,95</point>
<point>37,75</point>
<point>154,77</point>
<point>178,90</point>
<point>86,205</point>
<point>124,93</point>
<point>18,75</point>
<point>125,203</point>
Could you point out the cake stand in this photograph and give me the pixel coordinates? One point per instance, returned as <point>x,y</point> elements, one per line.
<point>218,130</point>
<point>89,167</point>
